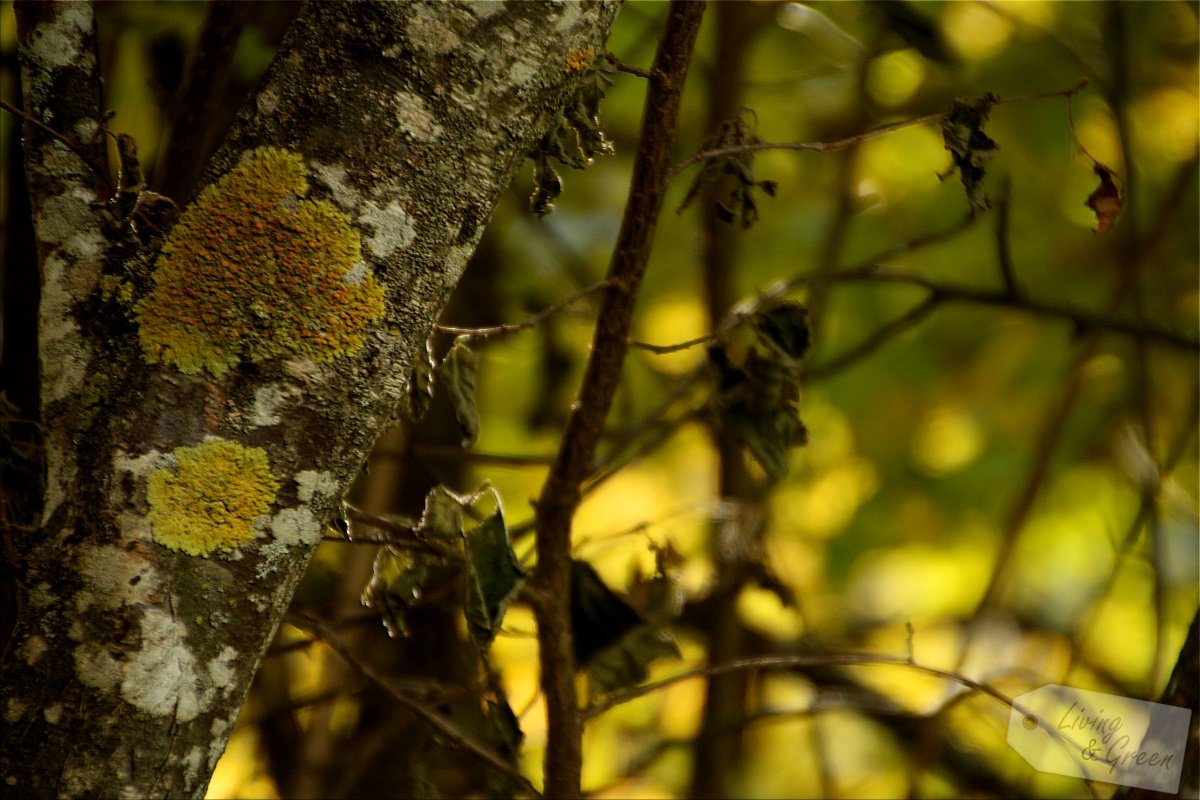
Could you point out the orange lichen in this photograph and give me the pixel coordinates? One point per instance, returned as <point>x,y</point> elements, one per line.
<point>211,500</point>
<point>579,59</point>
<point>254,270</point>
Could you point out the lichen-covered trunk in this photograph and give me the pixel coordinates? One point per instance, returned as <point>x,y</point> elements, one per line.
<point>208,393</point>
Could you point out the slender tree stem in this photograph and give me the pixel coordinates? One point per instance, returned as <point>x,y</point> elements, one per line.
<point>561,494</point>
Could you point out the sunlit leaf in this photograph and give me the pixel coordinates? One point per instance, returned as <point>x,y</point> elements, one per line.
<point>442,517</point>
<point>494,576</point>
<point>457,376</point>
<point>396,584</point>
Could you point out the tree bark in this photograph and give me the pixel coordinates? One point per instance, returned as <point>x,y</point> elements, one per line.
<point>130,660</point>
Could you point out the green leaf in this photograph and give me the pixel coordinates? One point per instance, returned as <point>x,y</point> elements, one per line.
<point>626,662</point>
<point>615,642</point>
<point>443,516</point>
<point>599,616</point>
<point>494,576</point>
<point>457,375</point>
<point>396,584</point>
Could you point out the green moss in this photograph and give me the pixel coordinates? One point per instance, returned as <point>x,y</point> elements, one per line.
<point>254,270</point>
<point>211,500</point>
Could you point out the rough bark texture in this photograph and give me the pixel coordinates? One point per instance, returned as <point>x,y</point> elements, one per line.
<point>130,661</point>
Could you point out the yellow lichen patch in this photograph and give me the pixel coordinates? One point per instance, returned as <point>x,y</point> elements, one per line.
<point>579,59</point>
<point>209,502</point>
<point>255,270</point>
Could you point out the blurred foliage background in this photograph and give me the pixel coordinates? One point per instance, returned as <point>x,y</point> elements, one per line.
<point>992,485</point>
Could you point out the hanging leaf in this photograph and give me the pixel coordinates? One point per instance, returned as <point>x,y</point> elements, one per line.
<point>442,517</point>
<point>457,375</point>
<point>1105,201</point>
<point>970,148</point>
<point>756,401</point>
<point>419,393</point>
<point>599,616</point>
<point>494,576</point>
<point>784,327</point>
<point>396,585</point>
<point>574,136</point>
<point>625,661</point>
<point>734,168</point>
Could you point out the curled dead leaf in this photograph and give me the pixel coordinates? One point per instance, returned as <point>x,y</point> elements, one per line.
<point>1105,201</point>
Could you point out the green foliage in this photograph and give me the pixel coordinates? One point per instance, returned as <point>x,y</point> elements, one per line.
<point>456,374</point>
<point>614,642</point>
<point>494,577</point>
<point>437,552</point>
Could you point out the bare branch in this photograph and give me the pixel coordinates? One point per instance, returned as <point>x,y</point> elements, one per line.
<point>850,141</point>
<point>560,495</point>
<point>479,334</point>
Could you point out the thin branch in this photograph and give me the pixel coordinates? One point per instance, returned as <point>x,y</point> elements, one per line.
<point>850,141</point>
<point>1003,249</point>
<point>437,452</point>
<point>878,339</point>
<point>790,662</point>
<point>63,139</point>
<point>560,495</point>
<point>445,727</point>
<point>664,349</point>
<point>479,334</point>
<point>628,68</point>
<point>1080,318</point>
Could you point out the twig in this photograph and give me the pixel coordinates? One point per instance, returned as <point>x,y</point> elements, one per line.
<point>623,67</point>
<point>664,349</point>
<point>100,173</point>
<point>789,662</point>
<point>850,141</point>
<point>876,340</point>
<point>1003,248</point>
<point>437,452</point>
<point>445,727</point>
<point>560,495</point>
<point>478,334</point>
<point>1082,319</point>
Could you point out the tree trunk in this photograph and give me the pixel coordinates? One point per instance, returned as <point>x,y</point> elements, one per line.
<point>190,471</point>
